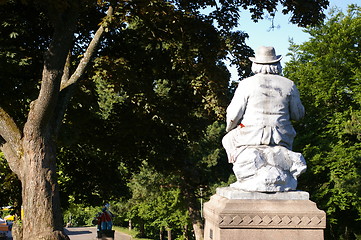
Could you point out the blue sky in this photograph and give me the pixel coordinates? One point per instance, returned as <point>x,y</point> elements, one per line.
<point>260,33</point>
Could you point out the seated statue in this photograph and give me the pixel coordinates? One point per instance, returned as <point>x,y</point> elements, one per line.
<point>260,133</point>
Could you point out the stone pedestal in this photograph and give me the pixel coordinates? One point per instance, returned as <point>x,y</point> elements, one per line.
<point>233,214</point>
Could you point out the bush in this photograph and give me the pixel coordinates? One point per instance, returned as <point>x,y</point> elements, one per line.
<point>80,215</point>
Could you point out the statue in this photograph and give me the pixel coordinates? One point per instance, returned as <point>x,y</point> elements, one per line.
<point>104,223</point>
<point>260,133</point>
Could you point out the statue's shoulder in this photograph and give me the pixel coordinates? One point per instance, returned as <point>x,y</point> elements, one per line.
<point>250,79</point>
<point>260,78</point>
<point>282,80</point>
<point>285,79</point>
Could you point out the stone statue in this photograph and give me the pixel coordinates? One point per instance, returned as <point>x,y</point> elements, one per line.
<point>260,132</point>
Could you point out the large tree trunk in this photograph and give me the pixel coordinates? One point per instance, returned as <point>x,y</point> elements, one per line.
<point>42,213</point>
<point>36,166</point>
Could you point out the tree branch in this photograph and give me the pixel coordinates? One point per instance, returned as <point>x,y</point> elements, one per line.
<point>42,110</point>
<point>67,84</point>
<point>10,144</point>
<point>9,131</point>
<point>66,71</point>
<point>13,157</point>
<point>88,54</point>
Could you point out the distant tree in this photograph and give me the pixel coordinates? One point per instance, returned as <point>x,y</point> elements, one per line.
<point>156,204</point>
<point>327,71</point>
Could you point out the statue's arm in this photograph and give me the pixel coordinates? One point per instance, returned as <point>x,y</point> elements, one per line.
<point>236,108</point>
<point>297,110</point>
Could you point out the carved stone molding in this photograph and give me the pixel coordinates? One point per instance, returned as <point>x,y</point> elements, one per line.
<point>274,221</point>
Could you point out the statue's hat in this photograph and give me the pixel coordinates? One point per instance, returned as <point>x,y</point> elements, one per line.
<point>266,55</point>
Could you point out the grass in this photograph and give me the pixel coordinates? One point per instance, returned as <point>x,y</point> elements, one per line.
<point>132,233</point>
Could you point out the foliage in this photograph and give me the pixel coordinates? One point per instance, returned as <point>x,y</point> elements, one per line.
<point>327,72</point>
<point>97,171</point>
<point>119,208</point>
<point>80,215</point>
<point>10,186</point>
<point>163,107</point>
<point>20,62</point>
<point>156,204</point>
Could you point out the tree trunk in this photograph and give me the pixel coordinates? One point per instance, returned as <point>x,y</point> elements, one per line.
<point>161,234</point>
<point>41,204</point>
<point>197,224</point>
<point>32,155</point>
<point>169,231</point>
<point>42,217</point>
<point>192,203</point>
<point>42,213</point>
<point>195,216</point>
<point>141,229</point>
<point>185,232</point>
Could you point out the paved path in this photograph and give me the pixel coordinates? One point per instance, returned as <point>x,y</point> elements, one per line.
<point>90,233</point>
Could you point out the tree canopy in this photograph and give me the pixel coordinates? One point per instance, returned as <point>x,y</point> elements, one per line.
<point>327,71</point>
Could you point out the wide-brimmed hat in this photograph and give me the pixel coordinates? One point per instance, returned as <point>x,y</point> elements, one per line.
<point>266,55</point>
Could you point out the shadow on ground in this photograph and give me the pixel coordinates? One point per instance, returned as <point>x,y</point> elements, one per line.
<point>76,232</point>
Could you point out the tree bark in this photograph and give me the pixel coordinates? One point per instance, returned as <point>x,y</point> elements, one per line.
<point>141,229</point>
<point>185,232</point>
<point>41,203</point>
<point>169,232</point>
<point>161,234</point>
<point>193,205</point>
<point>194,214</point>
<point>197,223</point>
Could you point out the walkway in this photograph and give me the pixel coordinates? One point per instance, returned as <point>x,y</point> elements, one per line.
<point>89,233</point>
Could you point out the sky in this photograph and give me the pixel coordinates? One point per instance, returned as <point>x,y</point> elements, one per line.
<point>260,33</point>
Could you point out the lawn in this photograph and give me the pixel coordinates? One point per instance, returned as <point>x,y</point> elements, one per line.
<point>132,233</point>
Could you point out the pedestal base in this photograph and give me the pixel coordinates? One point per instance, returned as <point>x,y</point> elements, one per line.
<point>236,215</point>
<point>105,234</point>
